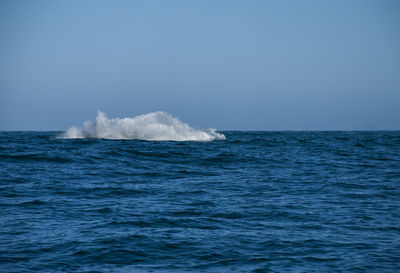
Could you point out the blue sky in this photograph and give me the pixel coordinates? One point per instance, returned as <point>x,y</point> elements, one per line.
<point>240,65</point>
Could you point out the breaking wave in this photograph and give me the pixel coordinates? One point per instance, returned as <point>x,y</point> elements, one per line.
<point>152,126</point>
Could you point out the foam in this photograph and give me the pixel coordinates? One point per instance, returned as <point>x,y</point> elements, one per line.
<point>152,126</point>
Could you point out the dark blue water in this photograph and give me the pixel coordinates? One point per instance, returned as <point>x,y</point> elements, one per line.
<point>255,202</point>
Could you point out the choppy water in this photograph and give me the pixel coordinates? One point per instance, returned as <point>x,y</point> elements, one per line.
<point>254,202</point>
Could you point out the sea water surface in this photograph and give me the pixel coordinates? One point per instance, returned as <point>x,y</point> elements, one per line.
<point>252,202</point>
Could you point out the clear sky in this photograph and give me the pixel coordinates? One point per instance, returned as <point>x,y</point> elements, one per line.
<point>240,65</point>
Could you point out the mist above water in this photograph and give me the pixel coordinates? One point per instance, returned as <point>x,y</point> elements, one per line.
<point>153,126</point>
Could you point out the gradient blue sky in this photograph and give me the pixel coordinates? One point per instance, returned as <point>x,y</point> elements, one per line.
<point>242,65</point>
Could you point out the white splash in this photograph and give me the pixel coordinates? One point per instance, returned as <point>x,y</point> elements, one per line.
<point>152,126</point>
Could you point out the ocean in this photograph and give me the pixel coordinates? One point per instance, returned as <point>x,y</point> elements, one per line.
<point>235,202</point>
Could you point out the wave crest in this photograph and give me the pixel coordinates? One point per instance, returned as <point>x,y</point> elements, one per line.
<point>152,126</point>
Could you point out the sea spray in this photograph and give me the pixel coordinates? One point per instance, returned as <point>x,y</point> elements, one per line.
<point>153,126</point>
